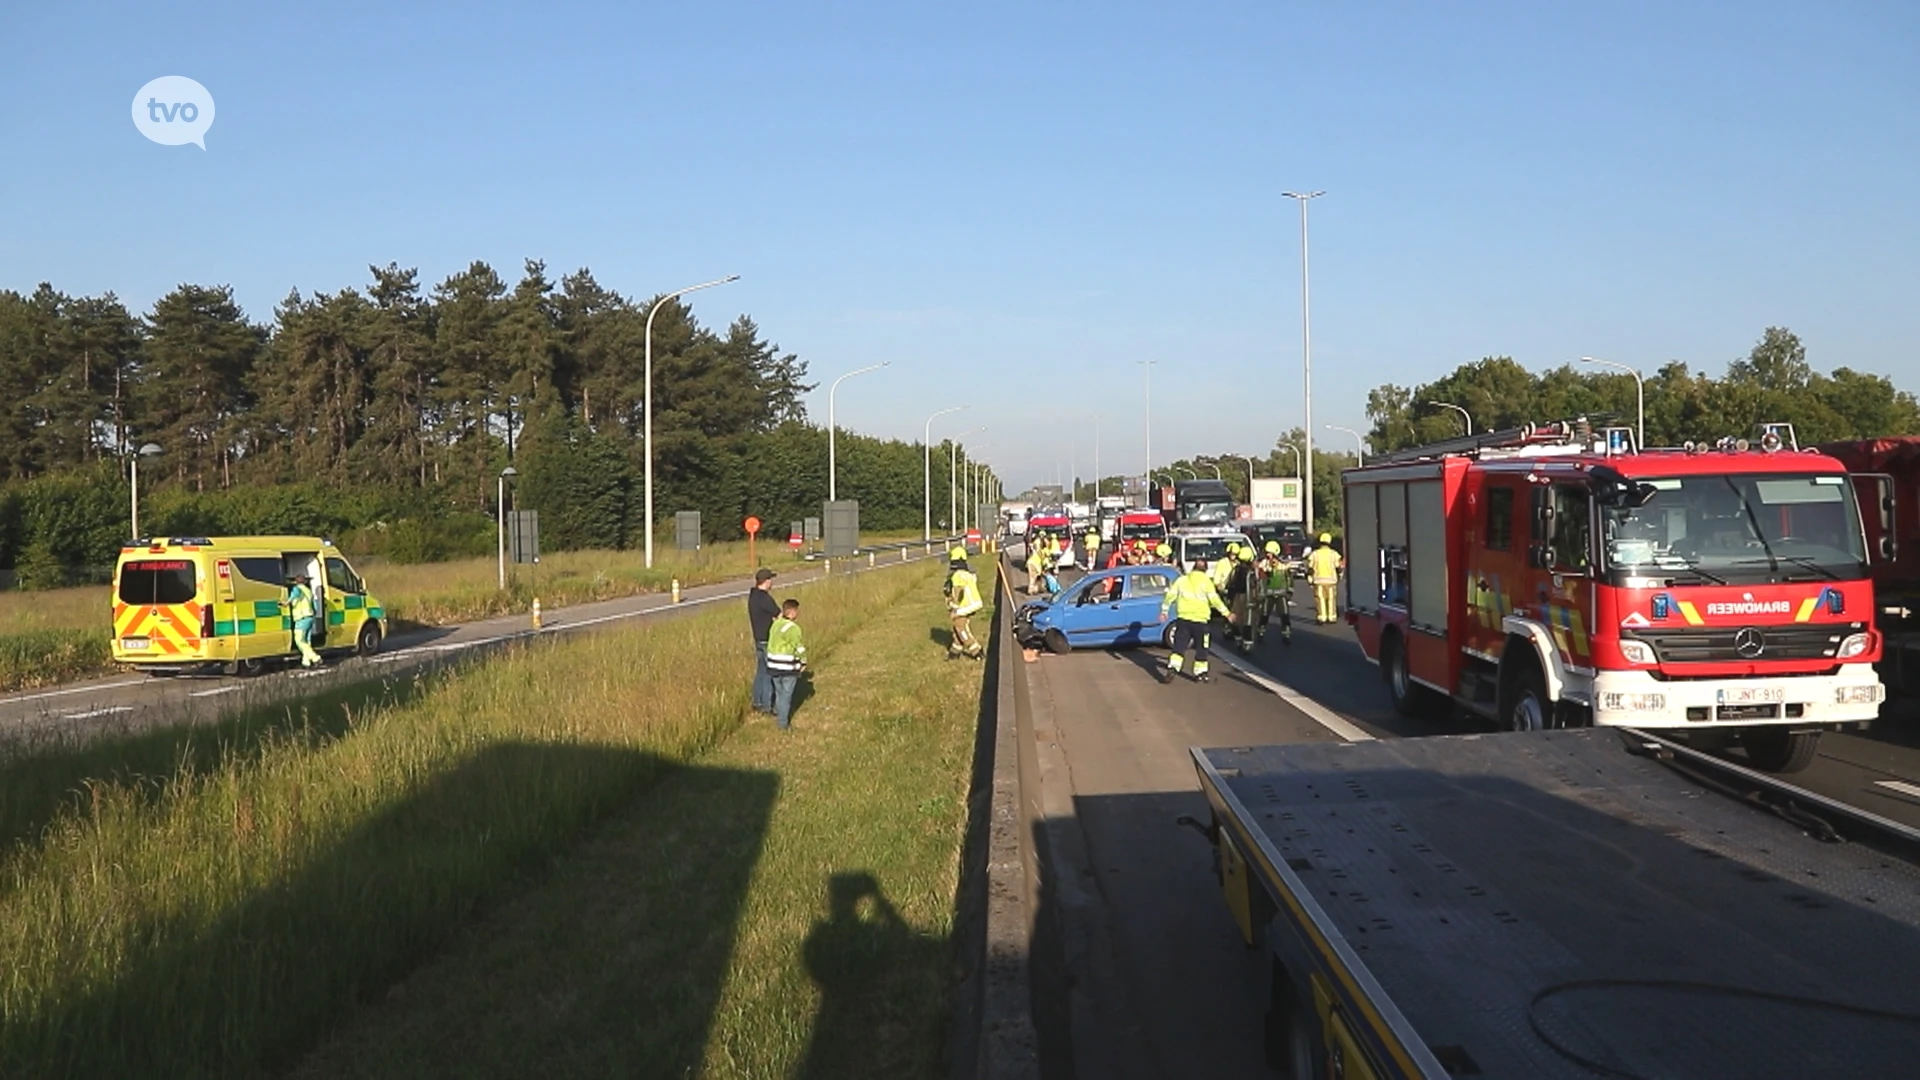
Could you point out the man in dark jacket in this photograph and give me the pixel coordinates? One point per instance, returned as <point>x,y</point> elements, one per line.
<point>762,609</point>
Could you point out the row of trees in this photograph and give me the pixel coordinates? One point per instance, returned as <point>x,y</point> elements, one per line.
<point>1774,381</point>
<point>398,403</point>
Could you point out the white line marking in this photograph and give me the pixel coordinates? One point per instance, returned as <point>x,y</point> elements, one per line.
<point>90,713</point>
<point>70,690</point>
<point>216,690</point>
<point>1327,718</point>
<point>1903,788</point>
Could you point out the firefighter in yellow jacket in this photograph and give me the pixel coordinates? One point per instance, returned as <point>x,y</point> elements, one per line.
<point>1193,600</point>
<point>1323,569</point>
<point>963,600</point>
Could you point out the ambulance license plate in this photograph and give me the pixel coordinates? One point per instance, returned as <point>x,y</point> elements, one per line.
<point>1753,695</point>
<point>133,644</point>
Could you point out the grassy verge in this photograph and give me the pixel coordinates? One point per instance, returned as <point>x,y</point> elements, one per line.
<point>217,914</point>
<point>782,910</point>
<point>59,635</point>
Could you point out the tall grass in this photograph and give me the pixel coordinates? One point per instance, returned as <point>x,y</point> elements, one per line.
<point>214,916</point>
<point>59,635</point>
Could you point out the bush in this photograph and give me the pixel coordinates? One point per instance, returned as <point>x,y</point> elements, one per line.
<point>39,568</point>
<point>453,536</point>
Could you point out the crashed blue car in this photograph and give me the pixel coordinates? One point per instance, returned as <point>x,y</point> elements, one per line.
<point>1102,610</point>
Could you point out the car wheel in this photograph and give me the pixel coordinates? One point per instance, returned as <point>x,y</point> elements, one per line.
<point>1166,636</point>
<point>1056,642</point>
<point>369,642</point>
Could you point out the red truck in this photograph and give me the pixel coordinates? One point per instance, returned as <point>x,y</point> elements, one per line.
<point>1886,475</point>
<point>1556,576</point>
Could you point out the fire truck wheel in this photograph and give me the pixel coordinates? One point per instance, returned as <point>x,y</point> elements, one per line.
<point>1527,706</point>
<point>1780,751</point>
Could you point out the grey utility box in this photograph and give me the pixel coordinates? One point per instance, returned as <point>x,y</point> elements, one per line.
<point>686,530</point>
<point>523,536</point>
<point>842,521</point>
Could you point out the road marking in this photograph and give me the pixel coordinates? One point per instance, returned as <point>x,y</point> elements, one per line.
<point>1327,718</point>
<point>70,690</point>
<point>90,713</point>
<point>1900,787</point>
<point>216,690</point>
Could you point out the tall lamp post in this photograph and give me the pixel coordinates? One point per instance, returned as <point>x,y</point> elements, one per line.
<point>833,488</point>
<point>1249,462</point>
<point>133,465</point>
<point>1215,468</point>
<point>1096,459</point>
<point>646,408</point>
<point>1464,414</point>
<point>926,499</point>
<point>970,511</point>
<point>1639,393</point>
<point>1147,367</point>
<point>953,468</point>
<point>1359,444</point>
<point>1188,471</point>
<point>1296,454</point>
<point>1306,350</point>
<point>500,514</point>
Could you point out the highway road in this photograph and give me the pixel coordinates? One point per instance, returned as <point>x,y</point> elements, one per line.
<point>1171,990</point>
<point>131,700</point>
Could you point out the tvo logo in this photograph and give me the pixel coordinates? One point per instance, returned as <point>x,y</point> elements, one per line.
<point>174,110</point>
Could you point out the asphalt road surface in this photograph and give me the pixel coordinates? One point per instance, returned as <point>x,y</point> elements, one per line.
<point>1174,992</point>
<point>132,700</point>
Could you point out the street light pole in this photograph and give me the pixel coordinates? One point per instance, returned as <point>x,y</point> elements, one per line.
<point>1296,453</point>
<point>1188,471</point>
<point>926,499</point>
<point>646,408</point>
<point>1359,444</point>
<point>147,450</point>
<point>1464,414</point>
<point>833,489</point>
<point>1639,393</point>
<point>500,515</point>
<point>1147,367</point>
<point>953,468</point>
<point>1096,459</point>
<point>1306,351</point>
<point>1215,468</point>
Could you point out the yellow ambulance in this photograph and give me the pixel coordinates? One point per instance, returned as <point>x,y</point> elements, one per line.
<point>188,603</point>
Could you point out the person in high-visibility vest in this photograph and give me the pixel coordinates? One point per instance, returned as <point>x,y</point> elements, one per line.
<point>1163,553</point>
<point>786,659</point>
<point>300,607</point>
<point>1323,570</point>
<point>963,600</point>
<point>1243,596</point>
<point>1092,544</point>
<point>1223,567</point>
<point>1036,566</point>
<point>1192,599</point>
<point>1279,589</point>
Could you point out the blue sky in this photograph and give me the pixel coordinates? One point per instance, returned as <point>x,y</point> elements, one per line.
<point>1015,202</point>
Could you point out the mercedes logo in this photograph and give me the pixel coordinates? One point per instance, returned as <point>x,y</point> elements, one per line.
<point>1749,642</point>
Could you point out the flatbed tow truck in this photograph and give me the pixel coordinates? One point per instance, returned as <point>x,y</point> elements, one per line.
<point>1566,903</point>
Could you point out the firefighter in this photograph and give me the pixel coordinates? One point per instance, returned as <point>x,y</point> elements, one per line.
<point>1243,597</point>
<point>1092,544</point>
<point>963,600</point>
<point>1323,570</point>
<point>1222,567</point>
<point>1036,565</point>
<point>300,608</point>
<point>1193,600</point>
<point>1279,590</point>
<point>1163,553</point>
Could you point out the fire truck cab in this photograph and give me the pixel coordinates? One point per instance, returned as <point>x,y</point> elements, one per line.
<point>1554,576</point>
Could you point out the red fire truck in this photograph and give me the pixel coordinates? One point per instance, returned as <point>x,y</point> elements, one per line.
<point>1555,576</point>
<point>1886,473</point>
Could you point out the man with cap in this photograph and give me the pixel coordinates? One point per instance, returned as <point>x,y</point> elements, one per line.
<point>300,608</point>
<point>963,600</point>
<point>762,609</point>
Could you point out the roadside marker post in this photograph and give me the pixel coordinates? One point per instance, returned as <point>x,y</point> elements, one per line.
<point>752,525</point>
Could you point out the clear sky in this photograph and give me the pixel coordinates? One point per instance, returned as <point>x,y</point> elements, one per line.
<point>1015,202</point>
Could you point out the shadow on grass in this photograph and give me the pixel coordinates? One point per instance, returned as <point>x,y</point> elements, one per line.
<point>257,985</point>
<point>37,783</point>
<point>869,964</point>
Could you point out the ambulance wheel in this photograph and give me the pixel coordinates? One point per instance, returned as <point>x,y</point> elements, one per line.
<point>1781,751</point>
<point>247,669</point>
<point>369,642</point>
